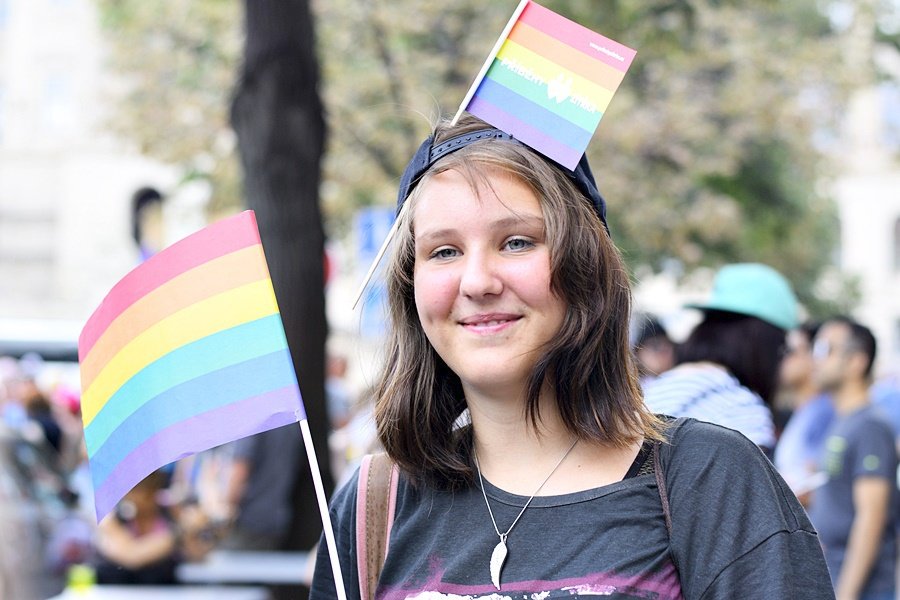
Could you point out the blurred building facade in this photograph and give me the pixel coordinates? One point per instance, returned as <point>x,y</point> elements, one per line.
<point>868,196</point>
<point>66,184</point>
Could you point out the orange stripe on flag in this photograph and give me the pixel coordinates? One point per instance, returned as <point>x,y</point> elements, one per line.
<point>209,279</point>
<point>566,56</point>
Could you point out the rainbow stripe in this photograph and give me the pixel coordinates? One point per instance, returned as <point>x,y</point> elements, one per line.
<point>186,352</point>
<point>550,83</point>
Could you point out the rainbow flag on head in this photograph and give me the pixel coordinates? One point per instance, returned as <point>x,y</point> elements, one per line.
<point>187,352</point>
<point>548,82</point>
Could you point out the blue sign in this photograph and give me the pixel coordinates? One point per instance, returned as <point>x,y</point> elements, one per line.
<point>371,227</point>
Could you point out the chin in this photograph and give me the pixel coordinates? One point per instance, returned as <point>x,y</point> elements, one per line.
<point>489,379</point>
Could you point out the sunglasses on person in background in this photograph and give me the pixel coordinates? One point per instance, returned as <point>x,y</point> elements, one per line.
<point>823,349</point>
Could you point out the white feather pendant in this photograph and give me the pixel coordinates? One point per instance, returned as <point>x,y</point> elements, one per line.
<point>497,559</point>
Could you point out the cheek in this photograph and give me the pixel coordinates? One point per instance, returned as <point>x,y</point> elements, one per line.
<point>434,294</point>
<point>533,283</point>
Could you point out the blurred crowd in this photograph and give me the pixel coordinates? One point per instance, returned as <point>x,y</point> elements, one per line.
<point>805,393</point>
<point>235,497</point>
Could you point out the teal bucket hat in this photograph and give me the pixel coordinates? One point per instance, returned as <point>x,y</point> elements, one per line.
<point>755,290</point>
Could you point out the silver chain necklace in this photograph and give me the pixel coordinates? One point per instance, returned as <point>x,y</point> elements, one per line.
<point>498,556</point>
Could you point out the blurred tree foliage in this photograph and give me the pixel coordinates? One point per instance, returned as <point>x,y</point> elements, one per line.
<point>711,151</point>
<point>178,62</point>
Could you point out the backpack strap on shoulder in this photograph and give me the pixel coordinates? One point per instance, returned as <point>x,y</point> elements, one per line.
<point>376,499</point>
<point>661,487</point>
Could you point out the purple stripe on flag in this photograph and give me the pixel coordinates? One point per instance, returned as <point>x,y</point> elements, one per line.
<point>197,396</point>
<point>526,133</point>
<point>196,434</point>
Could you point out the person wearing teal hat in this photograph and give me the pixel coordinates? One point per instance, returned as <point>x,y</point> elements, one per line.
<point>727,369</point>
<point>754,290</point>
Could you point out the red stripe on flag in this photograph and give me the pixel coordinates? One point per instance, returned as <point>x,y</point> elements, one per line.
<point>567,57</point>
<point>577,36</point>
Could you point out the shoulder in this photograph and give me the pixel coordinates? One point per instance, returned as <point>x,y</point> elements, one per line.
<point>347,500</point>
<point>726,500</point>
<point>688,438</point>
<point>343,501</point>
<point>708,462</point>
<point>869,424</point>
<point>713,466</point>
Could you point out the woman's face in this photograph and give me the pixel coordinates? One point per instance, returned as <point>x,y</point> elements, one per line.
<point>482,279</point>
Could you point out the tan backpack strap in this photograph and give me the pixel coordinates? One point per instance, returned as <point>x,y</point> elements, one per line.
<point>375,504</point>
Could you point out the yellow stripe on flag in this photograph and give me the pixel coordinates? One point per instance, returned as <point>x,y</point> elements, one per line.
<point>547,70</point>
<point>222,311</point>
<point>208,279</point>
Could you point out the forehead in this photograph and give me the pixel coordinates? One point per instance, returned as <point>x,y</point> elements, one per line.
<point>834,332</point>
<point>453,195</point>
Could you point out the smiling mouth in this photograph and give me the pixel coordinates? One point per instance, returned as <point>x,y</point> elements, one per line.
<point>489,324</point>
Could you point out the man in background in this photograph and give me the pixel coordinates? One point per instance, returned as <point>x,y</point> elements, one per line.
<point>798,453</point>
<point>855,509</point>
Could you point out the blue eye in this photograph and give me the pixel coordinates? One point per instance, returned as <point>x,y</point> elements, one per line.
<point>443,253</point>
<point>519,243</point>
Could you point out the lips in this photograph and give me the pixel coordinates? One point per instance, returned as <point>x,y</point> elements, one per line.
<point>489,323</point>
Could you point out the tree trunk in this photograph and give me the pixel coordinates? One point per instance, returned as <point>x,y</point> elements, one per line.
<point>278,117</point>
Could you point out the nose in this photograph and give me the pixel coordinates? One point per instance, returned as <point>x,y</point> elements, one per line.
<point>480,276</point>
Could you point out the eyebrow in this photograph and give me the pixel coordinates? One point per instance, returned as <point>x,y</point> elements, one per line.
<point>511,221</point>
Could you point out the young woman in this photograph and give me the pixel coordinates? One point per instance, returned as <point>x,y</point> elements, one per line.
<point>510,403</point>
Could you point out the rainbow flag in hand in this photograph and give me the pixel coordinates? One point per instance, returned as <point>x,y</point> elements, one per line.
<point>187,352</point>
<point>548,82</point>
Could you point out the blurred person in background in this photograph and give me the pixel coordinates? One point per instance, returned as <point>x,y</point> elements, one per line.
<point>147,221</point>
<point>72,540</point>
<point>137,544</point>
<point>653,350</point>
<point>337,392</point>
<point>13,412</point>
<point>727,369</point>
<point>263,473</point>
<point>886,395</point>
<point>799,449</point>
<point>354,440</point>
<point>855,510</point>
<point>38,410</point>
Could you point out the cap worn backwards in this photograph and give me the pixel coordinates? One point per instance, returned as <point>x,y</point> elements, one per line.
<point>427,155</point>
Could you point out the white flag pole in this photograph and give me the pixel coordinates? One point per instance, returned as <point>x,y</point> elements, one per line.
<point>323,510</point>
<point>380,255</point>
<point>490,59</point>
<point>462,107</point>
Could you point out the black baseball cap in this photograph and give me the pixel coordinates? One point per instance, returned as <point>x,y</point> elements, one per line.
<point>428,154</point>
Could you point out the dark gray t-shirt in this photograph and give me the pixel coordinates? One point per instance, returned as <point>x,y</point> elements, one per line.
<point>738,532</point>
<point>860,444</point>
<point>273,456</point>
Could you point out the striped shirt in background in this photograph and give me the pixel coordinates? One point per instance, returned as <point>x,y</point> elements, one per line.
<point>707,392</point>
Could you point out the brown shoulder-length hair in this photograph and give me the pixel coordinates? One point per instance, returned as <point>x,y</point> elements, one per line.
<point>588,365</point>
